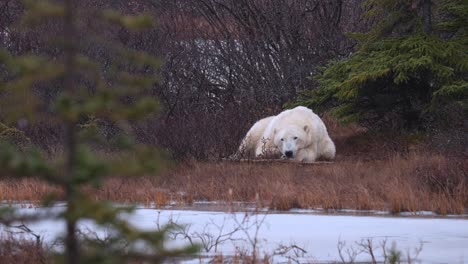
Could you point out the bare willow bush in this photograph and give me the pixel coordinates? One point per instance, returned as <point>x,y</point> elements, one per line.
<point>226,63</point>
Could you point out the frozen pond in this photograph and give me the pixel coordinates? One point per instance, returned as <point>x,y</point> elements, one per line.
<point>310,237</point>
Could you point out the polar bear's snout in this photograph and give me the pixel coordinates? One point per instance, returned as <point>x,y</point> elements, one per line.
<point>289,147</point>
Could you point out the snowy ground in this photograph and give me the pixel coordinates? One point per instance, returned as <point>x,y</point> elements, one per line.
<point>443,240</point>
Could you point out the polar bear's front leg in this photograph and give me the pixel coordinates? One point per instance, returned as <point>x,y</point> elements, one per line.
<point>266,149</point>
<point>307,154</point>
<point>262,147</point>
<point>259,152</point>
<point>327,148</point>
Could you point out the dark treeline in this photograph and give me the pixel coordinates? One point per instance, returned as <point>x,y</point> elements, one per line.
<point>225,63</point>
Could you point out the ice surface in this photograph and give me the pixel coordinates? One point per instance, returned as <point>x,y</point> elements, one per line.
<point>445,240</point>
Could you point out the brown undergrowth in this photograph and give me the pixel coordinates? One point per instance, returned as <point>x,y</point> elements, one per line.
<point>413,182</point>
<point>22,251</point>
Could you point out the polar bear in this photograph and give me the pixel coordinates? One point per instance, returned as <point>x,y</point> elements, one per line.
<point>297,134</point>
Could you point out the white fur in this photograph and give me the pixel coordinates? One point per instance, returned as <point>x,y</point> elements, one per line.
<point>253,138</point>
<point>298,131</point>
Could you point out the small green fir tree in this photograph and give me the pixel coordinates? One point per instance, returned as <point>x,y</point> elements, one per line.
<point>89,92</point>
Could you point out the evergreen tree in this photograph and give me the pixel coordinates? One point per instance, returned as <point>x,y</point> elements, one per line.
<point>89,92</point>
<point>413,61</point>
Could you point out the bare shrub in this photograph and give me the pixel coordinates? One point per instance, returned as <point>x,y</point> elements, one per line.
<point>209,241</point>
<point>202,135</point>
<point>239,61</point>
<point>376,253</point>
<point>447,128</point>
<point>244,234</point>
<point>225,65</point>
<point>20,250</point>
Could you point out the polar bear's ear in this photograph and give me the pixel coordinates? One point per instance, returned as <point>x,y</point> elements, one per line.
<point>306,128</point>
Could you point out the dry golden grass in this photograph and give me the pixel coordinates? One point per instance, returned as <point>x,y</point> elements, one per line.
<point>411,183</point>
<point>25,189</point>
<point>417,182</point>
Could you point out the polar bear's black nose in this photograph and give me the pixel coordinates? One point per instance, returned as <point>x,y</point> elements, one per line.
<point>288,154</point>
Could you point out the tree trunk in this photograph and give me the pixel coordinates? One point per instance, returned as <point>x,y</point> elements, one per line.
<point>71,244</point>
<point>427,15</point>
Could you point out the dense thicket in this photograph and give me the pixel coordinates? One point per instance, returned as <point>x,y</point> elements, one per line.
<point>226,63</point>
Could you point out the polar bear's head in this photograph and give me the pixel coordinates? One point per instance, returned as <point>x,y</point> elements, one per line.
<point>291,139</point>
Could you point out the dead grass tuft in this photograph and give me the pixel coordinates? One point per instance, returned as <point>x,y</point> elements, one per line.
<point>284,201</point>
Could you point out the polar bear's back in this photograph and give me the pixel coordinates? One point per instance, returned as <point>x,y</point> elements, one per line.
<point>298,116</point>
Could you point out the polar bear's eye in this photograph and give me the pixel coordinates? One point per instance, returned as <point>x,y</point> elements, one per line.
<point>295,138</point>
<point>282,139</point>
